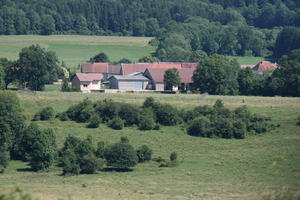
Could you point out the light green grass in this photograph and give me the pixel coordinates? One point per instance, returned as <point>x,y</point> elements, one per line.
<point>209,169</point>
<point>74,49</point>
<point>247,60</point>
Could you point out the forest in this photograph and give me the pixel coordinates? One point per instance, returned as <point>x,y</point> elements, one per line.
<point>236,27</point>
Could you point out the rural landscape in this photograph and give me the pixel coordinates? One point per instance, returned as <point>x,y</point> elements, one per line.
<point>140,99</point>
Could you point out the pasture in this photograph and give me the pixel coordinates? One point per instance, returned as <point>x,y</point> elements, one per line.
<point>210,168</point>
<point>75,49</point>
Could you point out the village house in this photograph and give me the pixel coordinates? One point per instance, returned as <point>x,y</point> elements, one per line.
<point>104,68</point>
<point>87,82</point>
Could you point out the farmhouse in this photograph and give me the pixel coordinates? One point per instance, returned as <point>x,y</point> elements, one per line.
<point>87,82</point>
<point>128,82</point>
<point>265,66</point>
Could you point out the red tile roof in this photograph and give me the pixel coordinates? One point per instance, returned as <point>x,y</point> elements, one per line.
<point>134,67</point>
<point>114,69</point>
<point>94,67</point>
<point>141,67</point>
<point>89,76</point>
<point>265,65</point>
<point>185,74</point>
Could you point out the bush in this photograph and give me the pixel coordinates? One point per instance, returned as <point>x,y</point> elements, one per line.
<point>298,123</point>
<point>130,114</point>
<point>44,114</point>
<point>222,127</point>
<point>4,160</point>
<point>116,123</point>
<point>157,127</point>
<point>147,120</point>
<point>89,164</point>
<point>173,156</point>
<point>81,112</point>
<point>239,130</point>
<point>121,155</point>
<point>200,126</point>
<point>43,150</point>
<point>159,159</point>
<point>107,109</point>
<point>70,163</point>
<point>124,139</point>
<point>149,102</point>
<point>63,116</point>
<point>94,121</point>
<point>100,149</point>
<point>144,153</point>
<point>167,115</point>
<point>168,164</point>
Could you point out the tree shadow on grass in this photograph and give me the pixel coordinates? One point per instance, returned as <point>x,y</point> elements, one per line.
<point>27,169</point>
<point>109,169</point>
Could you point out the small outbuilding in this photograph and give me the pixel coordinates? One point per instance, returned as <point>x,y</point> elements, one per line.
<point>87,82</point>
<point>128,82</point>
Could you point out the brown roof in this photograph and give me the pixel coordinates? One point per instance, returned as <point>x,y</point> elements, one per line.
<point>185,74</point>
<point>114,69</point>
<point>189,65</point>
<point>134,67</point>
<point>94,67</point>
<point>89,76</point>
<point>265,65</point>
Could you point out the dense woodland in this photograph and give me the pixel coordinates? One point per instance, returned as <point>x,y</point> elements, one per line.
<point>236,27</point>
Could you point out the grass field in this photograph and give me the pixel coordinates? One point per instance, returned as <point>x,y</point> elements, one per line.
<point>75,49</point>
<point>210,168</point>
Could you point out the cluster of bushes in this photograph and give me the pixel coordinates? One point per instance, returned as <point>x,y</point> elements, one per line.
<point>80,156</point>
<point>117,115</point>
<point>44,114</point>
<point>218,121</point>
<point>172,162</point>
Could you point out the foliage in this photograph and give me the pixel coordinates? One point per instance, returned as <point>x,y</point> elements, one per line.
<point>167,115</point>
<point>130,114</point>
<point>286,79</point>
<point>94,121</point>
<point>107,109</point>
<point>12,123</point>
<point>44,114</point>
<point>217,75</point>
<point>70,163</point>
<point>200,126</point>
<point>144,153</point>
<point>173,156</point>
<point>38,67</point>
<point>81,112</point>
<point>121,155</point>
<point>65,87</point>
<point>171,78</point>
<point>116,123</point>
<point>147,120</point>
<point>148,59</point>
<point>100,57</point>
<point>100,150</point>
<point>90,164</point>
<point>288,39</point>
<point>4,160</point>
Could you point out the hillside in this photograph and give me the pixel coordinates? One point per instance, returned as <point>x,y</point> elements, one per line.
<point>210,168</point>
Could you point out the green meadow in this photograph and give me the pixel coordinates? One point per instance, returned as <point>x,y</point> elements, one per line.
<point>209,168</point>
<point>75,49</point>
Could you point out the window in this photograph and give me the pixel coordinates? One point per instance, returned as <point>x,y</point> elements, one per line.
<point>85,85</point>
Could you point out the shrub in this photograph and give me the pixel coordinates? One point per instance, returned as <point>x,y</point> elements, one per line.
<point>168,164</point>
<point>147,120</point>
<point>89,164</point>
<point>70,163</point>
<point>173,156</point>
<point>124,139</point>
<point>298,123</point>
<point>81,112</point>
<point>239,130</point>
<point>144,153</point>
<point>157,127</point>
<point>116,123</point>
<point>94,121</point>
<point>63,116</point>
<point>200,126</point>
<point>43,150</point>
<point>222,127</point>
<point>167,115</point>
<point>149,102</point>
<point>4,160</point>
<point>46,113</point>
<point>107,109</point>
<point>130,114</point>
<point>121,155</point>
<point>100,149</point>
<point>159,159</point>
